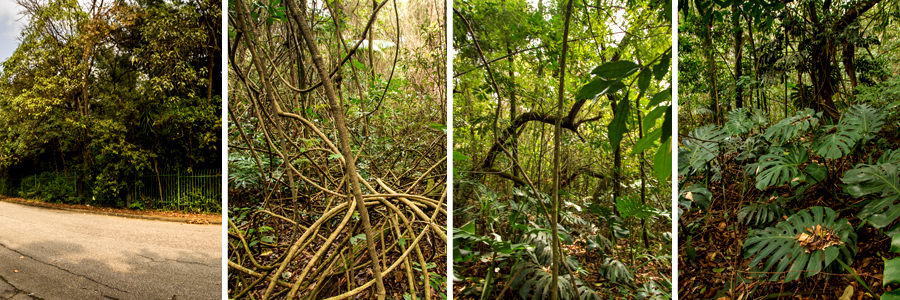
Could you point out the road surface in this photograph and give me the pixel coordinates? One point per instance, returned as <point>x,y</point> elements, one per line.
<point>53,254</point>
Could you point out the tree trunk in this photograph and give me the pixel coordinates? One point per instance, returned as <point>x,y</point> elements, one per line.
<point>557,136</point>
<point>738,53</point>
<point>344,142</point>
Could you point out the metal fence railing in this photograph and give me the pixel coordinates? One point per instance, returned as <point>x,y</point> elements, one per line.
<point>197,191</point>
<point>176,190</point>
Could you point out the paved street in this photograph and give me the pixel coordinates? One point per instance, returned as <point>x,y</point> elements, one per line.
<point>52,254</point>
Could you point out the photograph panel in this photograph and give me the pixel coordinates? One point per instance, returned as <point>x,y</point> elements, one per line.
<point>337,149</point>
<point>562,149</point>
<point>110,149</point>
<point>787,158</point>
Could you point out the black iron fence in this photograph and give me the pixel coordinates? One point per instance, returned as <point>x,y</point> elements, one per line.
<point>176,190</point>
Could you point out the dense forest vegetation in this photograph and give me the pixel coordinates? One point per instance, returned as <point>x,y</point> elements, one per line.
<point>337,150</point>
<point>107,92</point>
<point>789,149</point>
<point>562,156</point>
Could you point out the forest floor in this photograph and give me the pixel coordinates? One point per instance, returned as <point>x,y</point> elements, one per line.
<point>395,282</point>
<point>649,271</point>
<point>713,266</point>
<point>122,212</point>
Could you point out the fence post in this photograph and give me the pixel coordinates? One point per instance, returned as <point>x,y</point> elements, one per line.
<point>178,188</point>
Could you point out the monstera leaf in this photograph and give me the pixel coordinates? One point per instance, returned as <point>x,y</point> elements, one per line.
<point>738,121</point>
<point>759,214</point>
<point>700,146</point>
<point>775,169</point>
<point>534,282</point>
<point>837,144</point>
<point>791,127</point>
<point>864,120</point>
<point>879,180</point>
<point>615,271</point>
<point>632,207</point>
<point>892,266</point>
<point>807,242</point>
<point>696,193</point>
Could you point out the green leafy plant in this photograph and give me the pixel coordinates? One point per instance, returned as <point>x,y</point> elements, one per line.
<point>742,121</point>
<point>880,180</point>
<point>533,282</point>
<point>700,147</point>
<point>806,242</point>
<point>615,271</point>
<point>762,213</point>
<point>789,128</point>
<point>137,205</point>
<point>892,270</point>
<point>696,194</point>
<point>780,167</point>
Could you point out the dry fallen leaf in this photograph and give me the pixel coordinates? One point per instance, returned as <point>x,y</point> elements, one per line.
<point>689,196</point>
<point>15,271</point>
<point>848,292</point>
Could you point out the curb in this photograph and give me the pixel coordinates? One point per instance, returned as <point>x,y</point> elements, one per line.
<point>115,214</point>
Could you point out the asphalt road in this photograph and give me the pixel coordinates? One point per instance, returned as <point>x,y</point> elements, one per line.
<point>53,254</point>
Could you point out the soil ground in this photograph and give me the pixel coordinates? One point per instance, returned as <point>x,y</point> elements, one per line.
<point>122,212</point>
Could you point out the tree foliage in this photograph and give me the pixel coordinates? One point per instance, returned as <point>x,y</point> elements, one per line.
<point>112,91</point>
<point>516,61</point>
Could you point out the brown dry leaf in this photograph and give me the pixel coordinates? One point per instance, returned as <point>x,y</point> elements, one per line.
<point>689,196</point>
<point>722,226</point>
<point>848,292</point>
<point>711,256</point>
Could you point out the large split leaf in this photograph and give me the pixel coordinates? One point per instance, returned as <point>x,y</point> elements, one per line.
<point>837,144</point>
<point>791,127</point>
<point>879,180</point>
<point>534,282</point>
<point>615,271</point>
<point>775,169</point>
<point>762,213</point>
<point>864,120</point>
<point>892,267</point>
<point>807,242</point>
<point>738,122</point>
<point>697,194</point>
<point>632,207</point>
<point>700,146</point>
